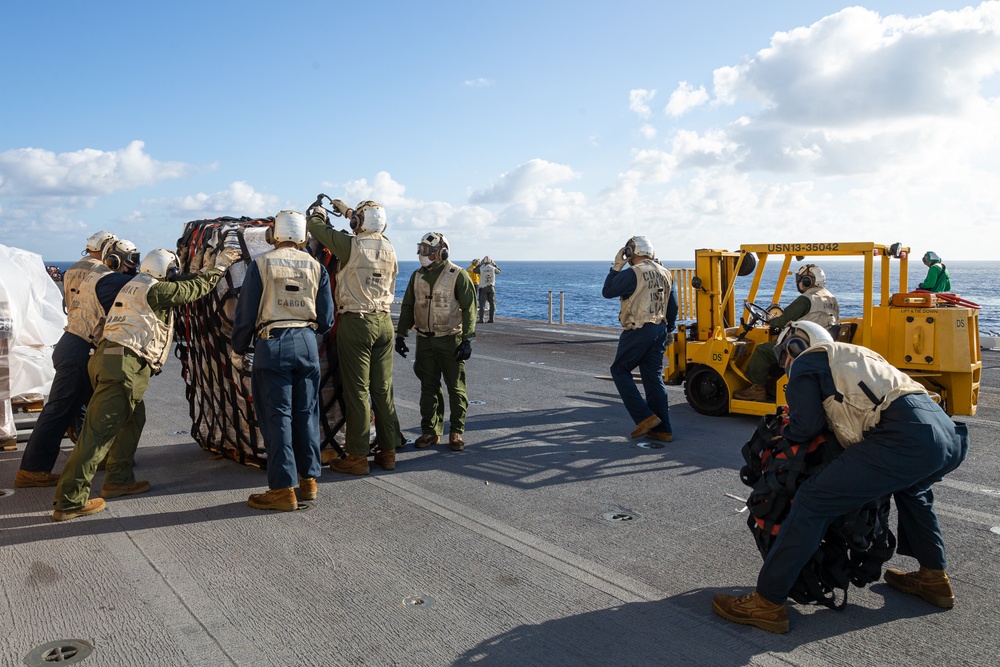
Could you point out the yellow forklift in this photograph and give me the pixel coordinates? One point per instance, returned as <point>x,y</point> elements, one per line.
<point>932,338</point>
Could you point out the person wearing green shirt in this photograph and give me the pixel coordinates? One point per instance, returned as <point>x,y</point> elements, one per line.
<point>440,303</point>
<point>136,341</point>
<point>364,290</point>
<point>937,279</point>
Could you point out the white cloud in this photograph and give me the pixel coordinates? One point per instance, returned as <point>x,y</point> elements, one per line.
<point>238,199</point>
<point>35,172</point>
<point>685,98</point>
<point>638,101</point>
<point>478,83</point>
<point>647,131</point>
<point>523,183</point>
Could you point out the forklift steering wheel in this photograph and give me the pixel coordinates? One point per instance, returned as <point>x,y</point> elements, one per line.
<point>757,313</point>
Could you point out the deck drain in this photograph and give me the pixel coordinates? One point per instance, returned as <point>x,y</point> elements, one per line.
<point>477,402</point>
<point>419,601</point>
<point>621,517</point>
<point>179,433</point>
<point>651,445</point>
<point>63,651</point>
<point>305,506</point>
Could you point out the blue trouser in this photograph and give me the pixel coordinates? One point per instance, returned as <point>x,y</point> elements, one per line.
<point>643,347</point>
<point>285,384</point>
<point>913,446</point>
<point>71,390</point>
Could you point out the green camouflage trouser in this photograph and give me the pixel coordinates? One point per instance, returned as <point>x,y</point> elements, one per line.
<point>112,427</point>
<point>435,357</point>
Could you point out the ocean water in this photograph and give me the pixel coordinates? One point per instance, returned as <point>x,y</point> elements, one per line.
<point>523,288</point>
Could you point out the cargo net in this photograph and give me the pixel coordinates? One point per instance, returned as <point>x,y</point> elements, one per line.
<point>219,397</point>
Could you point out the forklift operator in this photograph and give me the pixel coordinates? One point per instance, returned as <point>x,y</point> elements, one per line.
<point>816,304</point>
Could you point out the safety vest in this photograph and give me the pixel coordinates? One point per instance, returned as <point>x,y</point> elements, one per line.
<point>84,312</point>
<point>648,303</point>
<point>290,280</point>
<point>487,275</point>
<point>866,385</point>
<point>366,283</point>
<point>435,309</point>
<point>132,323</point>
<point>823,307</point>
<point>473,276</point>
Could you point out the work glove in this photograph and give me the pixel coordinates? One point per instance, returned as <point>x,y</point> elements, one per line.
<point>318,211</point>
<point>671,338</point>
<point>464,350</point>
<point>236,359</point>
<point>619,260</point>
<point>340,208</point>
<point>401,348</point>
<point>226,257</point>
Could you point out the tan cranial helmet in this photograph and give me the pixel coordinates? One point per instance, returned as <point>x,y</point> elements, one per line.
<point>161,264</point>
<point>368,216</point>
<point>97,242</point>
<point>639,245</point>
<point>289,226</point>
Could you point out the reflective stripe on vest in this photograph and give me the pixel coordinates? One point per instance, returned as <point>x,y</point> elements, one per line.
<point>367,282</point>
<point>866,385</point>
<point>435,309</point>
<point>132,323</point>
<point>84,312</point>
<point>648,303</point>
<point>290,281</point>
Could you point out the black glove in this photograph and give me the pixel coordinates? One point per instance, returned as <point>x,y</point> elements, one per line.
<point>401,348</point>
<point>775,330</point>
<point>464,350</point>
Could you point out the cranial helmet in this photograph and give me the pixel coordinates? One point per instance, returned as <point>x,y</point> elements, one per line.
<point>120,255</point>
<point>809,275</point>
<point>797,337</point>
<point>288,226</point>
<point>161,264</point>
<point>431,243</point>
<point>639,245</point>
<point>98,241</point>
<point>931,258</point>
<point>368,216</point>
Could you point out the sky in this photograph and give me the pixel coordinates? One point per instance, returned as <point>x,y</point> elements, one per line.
<point>523,130</point>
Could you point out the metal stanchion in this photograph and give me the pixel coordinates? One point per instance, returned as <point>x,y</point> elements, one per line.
<point>562,306</point>
<point>550,306</point>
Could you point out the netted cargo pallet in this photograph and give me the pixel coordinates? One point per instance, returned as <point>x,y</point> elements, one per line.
<point>221,405</point>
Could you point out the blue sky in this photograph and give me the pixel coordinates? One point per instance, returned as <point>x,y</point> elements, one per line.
<point>523,130</point>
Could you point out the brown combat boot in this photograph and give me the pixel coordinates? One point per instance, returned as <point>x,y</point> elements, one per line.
<point>93,506</point>
<point>645,426</point>
<point>26,479</point>
<point>387,460</point>
<point>109,491</point>
<point>755,392</point>
<point>426,440</point>
<point>282,500</point>
<point>352,465</point>
<point>662,436</point>
<point>752,610</point>
<point>307,489</point>
<point>455,442</point>
<point>932,585</point>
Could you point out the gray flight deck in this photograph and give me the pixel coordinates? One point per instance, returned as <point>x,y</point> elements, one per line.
<point>507,544</point>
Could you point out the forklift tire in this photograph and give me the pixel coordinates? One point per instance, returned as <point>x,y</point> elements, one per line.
<point>706,391</point>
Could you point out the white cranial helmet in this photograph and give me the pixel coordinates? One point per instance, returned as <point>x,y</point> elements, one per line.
<point>431,243</point>
<point>797,337</point>
<point>639,245</point>
<point>289,226</point>
<point>120,255</point>
<point>97,242</point>
<point>809,275</point>
<point>368,216</point>
<point>161,264</point>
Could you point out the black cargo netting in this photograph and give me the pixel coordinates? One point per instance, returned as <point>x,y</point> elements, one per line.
<point>221,406</point>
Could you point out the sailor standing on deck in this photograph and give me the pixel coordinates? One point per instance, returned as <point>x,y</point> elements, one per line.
<point>440,304</point>
<point>487,271</point>
<point>90,287</point>
<point>896,440</point>
<point>137,337</point>
<point>284,302</point>
<point>648,313</point>
<point>365,284</point>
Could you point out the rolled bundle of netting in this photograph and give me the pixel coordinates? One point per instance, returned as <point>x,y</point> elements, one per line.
<point>219,395</point>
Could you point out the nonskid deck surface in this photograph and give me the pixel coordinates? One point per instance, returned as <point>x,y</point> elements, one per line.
<point>553,539</point>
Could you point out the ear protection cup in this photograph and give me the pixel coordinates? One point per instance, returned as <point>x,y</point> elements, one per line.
<point>269,235</point>
<point>355,220</point>
<point>172,273</point>
<point>796,346</point>
<point>444,253</point>
<point>805,282</point>
<point>113,262</point>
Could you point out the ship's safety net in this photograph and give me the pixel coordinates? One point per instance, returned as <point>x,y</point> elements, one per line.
<point>219,395</point>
